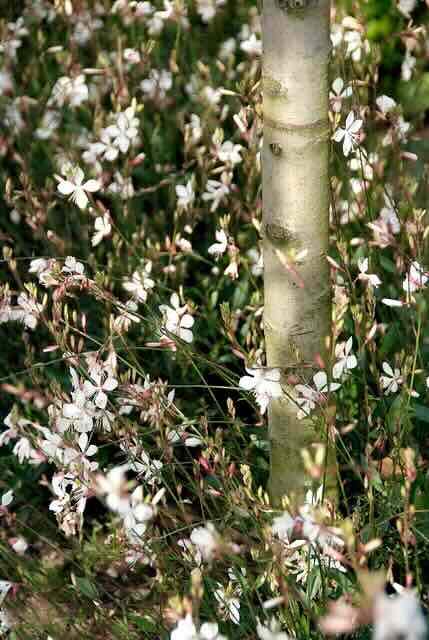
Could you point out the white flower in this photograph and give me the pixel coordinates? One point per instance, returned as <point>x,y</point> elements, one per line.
<point>347,360</point>
<point>185,195</point>
<point>349,135</point>
<point>114,486</point>
<point>122,186</point>
<point>207,540</point>
<point>6,499</point>
<point>252,46</point>
<point>264,383</point>
<point>80,412</point>
<point>72,90</point>
<point>408,65</point>
<point>19,545</point>
<point>71,265</point>
<point>257,261</point>
<point>195,128</point>
<point>132,56</point>
<point>137,516</point>
<point>28,310</point>
<point>140,283</point>
<point>95,388</point>
<point>125,130</point>
<point>50,123</point>
<point>207,8</point>
<point>102,228</point>
<point>353,39</point>
<point>215,191</point>
<point>219,247</point>
<point>363,266</point>
<point>406,7</point>
<point>415,279</point>
<point>230,152</point>
<point>158,83</point>
<point>389,302</point>
<point>176,320</point>
<point>272,632</point>
<point>385,104</point>
<point>185,630</point>
<point>229,605</point>
<point>74,188</point>
<point>398,616</point>
<point>283,525</point>
<point>391,381</point>
<point>308,398</point>
<point>338,93</point>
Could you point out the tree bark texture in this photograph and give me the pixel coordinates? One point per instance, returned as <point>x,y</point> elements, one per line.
<point>296,41</point>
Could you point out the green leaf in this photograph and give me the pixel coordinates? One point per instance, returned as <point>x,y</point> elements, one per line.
<point>87,588</point>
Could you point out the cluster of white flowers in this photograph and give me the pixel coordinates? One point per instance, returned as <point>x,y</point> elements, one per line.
<point>176,320</point>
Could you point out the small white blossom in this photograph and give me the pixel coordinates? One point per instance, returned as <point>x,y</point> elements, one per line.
<point>347,360</point>
<point>349,135</point>
<point>74,188</point>
<point>97,386</point>
<point>363,265</point>
<point>215,191</point>
<point>158,83</point>
<point>219,247</point>
<point>72,266</point>
<point>230,152</point>
<point>125,130</point>
<point>391,381</point>
<point>185,195</point>
<point>71,90</point>
<point>252,46</point>
<point>140,283</point>
<point>102,228</point>
<point>229,605</point>
<point>408,64</point>
<point>308,397</point>
<point>264,383</point>
<point>398,616</point>
<point>415,279</point>
<point>385,104</point>
<point>207,540</point>
<point>338,94</point>
<point>177,320</point>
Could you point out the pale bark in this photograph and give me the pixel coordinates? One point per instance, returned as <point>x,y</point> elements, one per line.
<point>296,214</point>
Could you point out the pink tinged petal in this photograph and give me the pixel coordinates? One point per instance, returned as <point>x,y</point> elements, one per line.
<point>246,382</point>
<point>65,187</point>
<point>91,185</point>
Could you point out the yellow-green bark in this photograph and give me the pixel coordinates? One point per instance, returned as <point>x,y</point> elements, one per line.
<point>296,214</point>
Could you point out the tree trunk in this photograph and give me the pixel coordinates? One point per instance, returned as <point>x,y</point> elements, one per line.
<point>296,216</point>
